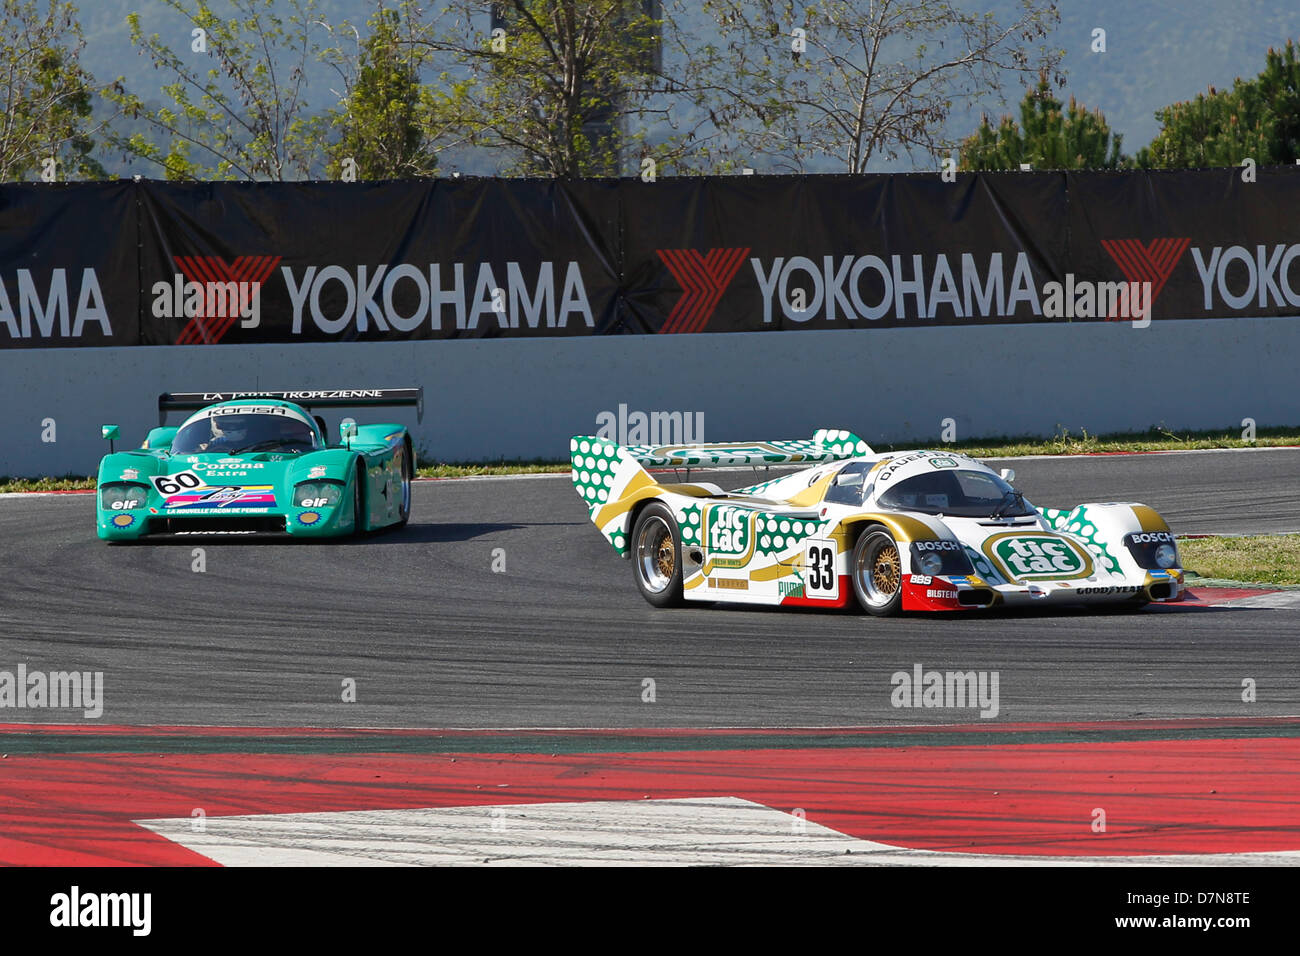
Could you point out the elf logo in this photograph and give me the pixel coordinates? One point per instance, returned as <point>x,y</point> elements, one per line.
<point>1027,557</point>
<point>703,279</point>
<point>1152,262</point>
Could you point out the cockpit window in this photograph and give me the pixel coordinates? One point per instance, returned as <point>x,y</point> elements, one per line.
<point>960,493</point>
<point>847,487</point>
<point>233,433</point>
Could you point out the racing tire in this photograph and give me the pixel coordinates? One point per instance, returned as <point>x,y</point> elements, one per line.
<point>657,556</point>
<point>877,572</point>
<point>408,474</point>
<point>358,507</point>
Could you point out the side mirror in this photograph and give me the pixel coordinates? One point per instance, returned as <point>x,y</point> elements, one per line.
<point>347,430</point>
<point>110,432</point>
<point>1007,474</point>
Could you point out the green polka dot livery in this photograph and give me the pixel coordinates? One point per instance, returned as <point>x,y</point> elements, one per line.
<point>602,471</point>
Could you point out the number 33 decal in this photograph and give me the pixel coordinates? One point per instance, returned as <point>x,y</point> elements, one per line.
<point>821,581</point>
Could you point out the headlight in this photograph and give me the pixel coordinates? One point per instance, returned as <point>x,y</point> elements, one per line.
<point>317,494</point>
<point>930,563</point>
<point>1152,549</point>
<point>940,557</point>
<point>122,496</point>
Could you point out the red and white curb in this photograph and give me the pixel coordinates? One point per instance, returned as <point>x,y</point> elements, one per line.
<point>709,831</point>
<point>1237,598</point>
<point>1207,791</point>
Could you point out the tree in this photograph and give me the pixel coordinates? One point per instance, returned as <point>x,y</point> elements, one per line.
<point>244,116</point>
<point>1258,118</point>
<point>559,86</point>
<point>1046,138</point>
<point>389,120</point>
<point>48,97</point>
<point>853,80</point>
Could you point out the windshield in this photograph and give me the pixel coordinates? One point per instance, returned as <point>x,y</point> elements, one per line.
<point>234,432</point>
<point>961,493</point>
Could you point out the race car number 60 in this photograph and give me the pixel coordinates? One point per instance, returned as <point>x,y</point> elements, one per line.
<point>171,484</point>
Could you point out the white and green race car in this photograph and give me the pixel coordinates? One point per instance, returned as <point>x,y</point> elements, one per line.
<point>907,531</point>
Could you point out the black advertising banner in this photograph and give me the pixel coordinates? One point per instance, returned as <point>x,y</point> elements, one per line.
<point>68,265</point>
<point>1210,244</point>
<point>258,262</point>
<point>155,263</point>
<point>841,252</point>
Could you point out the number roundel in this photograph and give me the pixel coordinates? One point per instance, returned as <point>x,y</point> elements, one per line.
<point>821,580</point>
<point>174,484</point>
<point>821,567</point>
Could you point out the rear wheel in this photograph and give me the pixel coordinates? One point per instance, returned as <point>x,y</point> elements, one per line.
<point>408,473</point>
<point>878,572</point>
<point>656,556</point>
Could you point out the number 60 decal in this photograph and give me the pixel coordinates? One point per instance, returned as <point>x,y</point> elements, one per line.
<point>174,484</point>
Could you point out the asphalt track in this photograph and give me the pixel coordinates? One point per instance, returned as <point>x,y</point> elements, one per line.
<point>433,638</point>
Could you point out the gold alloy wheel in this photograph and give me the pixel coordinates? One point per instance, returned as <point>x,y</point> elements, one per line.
<point>666,561</point>
<point>887,571</point>
<point>656,554</point>
<point>878,571</point>
<point>655,562</point>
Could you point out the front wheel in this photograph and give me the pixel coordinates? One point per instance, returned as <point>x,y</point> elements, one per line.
<point>358,502</point>
<point>656,556</point>
<point>878,572</point>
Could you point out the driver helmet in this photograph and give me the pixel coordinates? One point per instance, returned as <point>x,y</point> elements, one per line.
<point>231,429</point>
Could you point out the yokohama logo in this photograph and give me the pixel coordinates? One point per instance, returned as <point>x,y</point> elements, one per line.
<point>236,285</point>
<point>1146,263</point>
<point>703,279</point>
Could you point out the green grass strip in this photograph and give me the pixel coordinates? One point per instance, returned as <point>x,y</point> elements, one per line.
<point>1254,559</point>
<point>1063,443</point>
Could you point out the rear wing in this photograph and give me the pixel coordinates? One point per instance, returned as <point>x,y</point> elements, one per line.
<point>612,478</point>
<point>827,444</point>
<point>307,398</point>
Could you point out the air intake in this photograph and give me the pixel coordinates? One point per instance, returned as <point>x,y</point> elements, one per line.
<point>242,524</point>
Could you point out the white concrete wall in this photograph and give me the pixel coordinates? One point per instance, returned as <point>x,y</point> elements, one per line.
<point>494,399</point>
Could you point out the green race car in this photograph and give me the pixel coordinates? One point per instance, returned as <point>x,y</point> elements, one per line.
<point>250,462</point>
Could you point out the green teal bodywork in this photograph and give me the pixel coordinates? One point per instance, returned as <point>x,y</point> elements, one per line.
<point>378,464</point>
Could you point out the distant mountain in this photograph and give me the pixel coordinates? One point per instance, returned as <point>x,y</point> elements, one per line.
<point>1157,52</point>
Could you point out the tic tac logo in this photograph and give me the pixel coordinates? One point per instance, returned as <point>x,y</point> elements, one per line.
<point>703,279</point>
<point>730,535</point>
<point>1029,557</point>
